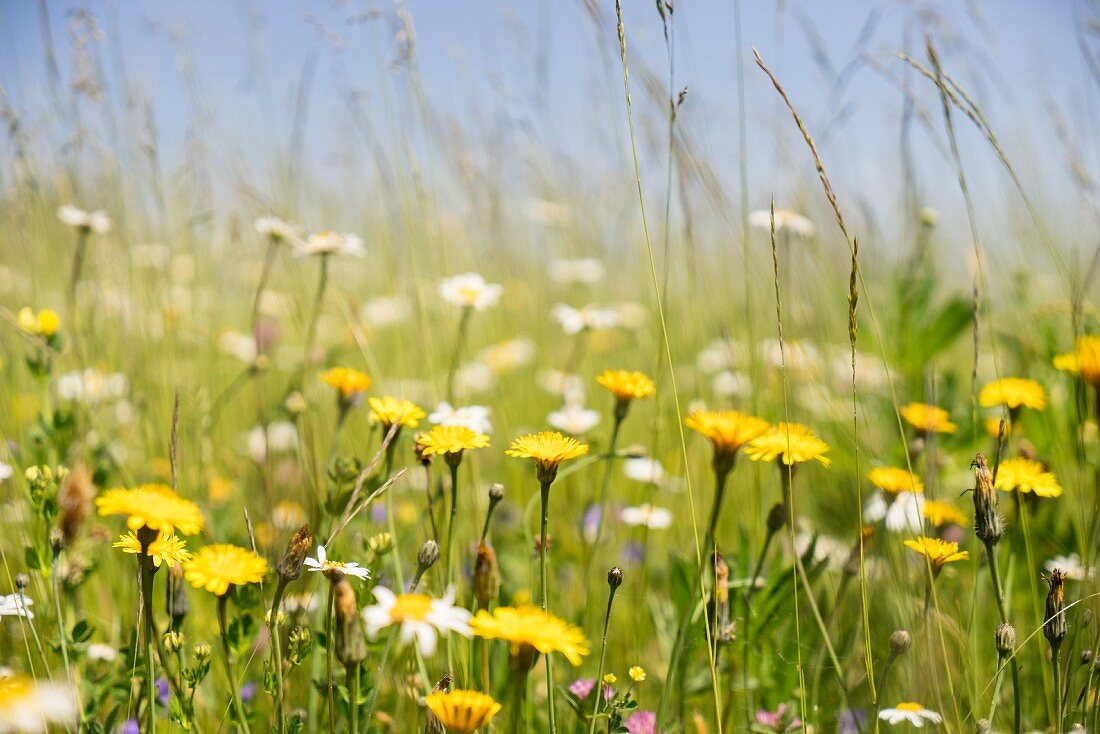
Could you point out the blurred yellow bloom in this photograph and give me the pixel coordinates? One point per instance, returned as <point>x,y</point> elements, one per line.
<point>1083,361</point>
<point>530,628</point>
<point>1026,476</point>
<point>791,443</point>
<point>626,385</point>
<point>166,549</point>
<point>942,513</point>
<point>462,712</point>
<point>45,323</point>
<point>349,382</point>
<point>610,679</point>
<point>938,552</point>
<point>727,430</point>
<point>1013,393</point>
<point>217,567</point>
<point>451,440</point>
<point>927,418</point>
<point>636,673</point>
<point>219,489</point>
<point>153,506</point>
<point>389,410</point>
<point>893,480</point>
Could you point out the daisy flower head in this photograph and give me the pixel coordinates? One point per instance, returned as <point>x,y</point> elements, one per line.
<point>588,318</point>
<point>16,605</point>
<point>474,417</point>
<point>167,549</point>
<point>1027,475</point>
<point>418,616</point>
<point>1083,361</point>
<point>790,443</point>
<point>84,221</point>
<point>786,220</point>
<point>893,480</point>
<point>45,323</point>
<point>219,567</point>
<point>910,712</point>
<point>350,384</point>
<point>905,513</point>
<point>450,442</point>
<point>938,552</point>
<point>645,469</point>
<point>27,705</point>
<point>626,385</point>
<point>277,230</point>
<point>575,419</point>
<point>582,271</point>
<point>648,516</point>
<point>549,449</point>
<point>1013,393</point>
<point>327,566</point>
<point>389,411</point>
<point>329,243</point>
<point>153,506</point>
<point>462,712</point>
<point>927,418</point>
<point>727,430</point>
<point>529,631</point>
<point>469,290</point>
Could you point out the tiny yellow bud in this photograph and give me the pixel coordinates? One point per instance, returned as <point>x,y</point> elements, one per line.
<point>610,678</point>
<point>48,322</point>
<point>636,673</point>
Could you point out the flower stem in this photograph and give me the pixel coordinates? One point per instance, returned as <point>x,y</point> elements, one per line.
<point>145,568</point>
<point>463,327</point>
<point>998,593</point>
<point>277,654</point>
<point>603,654</point>
<point>311,334</point>
<point>545,493</point>
<point>601,502</point>
<point>519,697</point>
<point>353,692</point>
<point>230,670</point>
<point>377,683</point>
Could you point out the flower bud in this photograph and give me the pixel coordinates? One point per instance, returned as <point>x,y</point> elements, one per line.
<point>299,643</point>
<point>351,645</point>
<point>496,492</point>
<point>428,554</point>
<point>777,517</point>
<point>380,544</point>
<point>289,567</point>
<point>173,641</point>
<point>1055,626</point>
<point>1005,639</point>
<point>486,580</point>
<point>178,603</point>
<point>22,581</point>
<point>74,501</point>
<point>988,525</point>
<point>57,541</point>
<point>615,578</point>
<point>900,642</point>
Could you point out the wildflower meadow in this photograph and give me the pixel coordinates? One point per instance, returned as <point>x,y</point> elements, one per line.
<point>557,396</point>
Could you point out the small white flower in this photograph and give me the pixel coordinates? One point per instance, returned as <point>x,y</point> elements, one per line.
<point>92,387</point>
<point>386,311</point>
<point>475,377</point>
<point>30,706</point>
<point>474,417</point>
<point>586,271</point>
<point>590,317</point>
<point>469,290</point>
<point>330,243</point>
<point>508,355</point>
<point>1071,566</point>
<point>103,653</point>
<point>574,419</point>
<point>645,469</point>
<point>785,220</point>
<point>301,603</point>
<point>568,386</point>
<point>729,384</point>
<point>914,713</point>
<point>16,605</point>
<point>77,218</point>
<point>238,345</point>
<point>418,615</point>
<point>904,514</point>
<point>277,229</point>
<point>6,471</point>
<point>324,564</point>
<point>654,518</point>
<point>722,354</point>
<point>282,438</point>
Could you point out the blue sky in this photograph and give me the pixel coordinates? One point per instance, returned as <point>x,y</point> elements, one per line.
<point>479,64</point>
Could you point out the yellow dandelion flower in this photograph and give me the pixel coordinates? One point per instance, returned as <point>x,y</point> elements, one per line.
<point>217,567</point>
<point>348,382</point>
<point>626,385</point>
<point>943,513</point>
<point>1013,393</point>
<point>1026,476</point>
<point>1083,361</point>
<point>549,449</point>
<point>451,440</point>
<point>389,410</point>
<point>727,430</point>
<point>462,712</point>
<point>45,323</point>
<point>938,552</point>
<point>927,418</point>
<point>611,679</point>
<point>166,549</point>
<point>529,628</point>
<point>893,480</point>
<point>636,673</point>
<point>153,506</point>
<point>791,443</point>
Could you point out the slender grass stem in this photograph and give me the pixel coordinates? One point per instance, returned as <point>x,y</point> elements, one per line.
<point>277,654</point>
<point>230,668</point>
<point>376,684</point>
<point>456,354</point>
<point>544,491</point>
<point>603,656</point>
<point>601,506</point>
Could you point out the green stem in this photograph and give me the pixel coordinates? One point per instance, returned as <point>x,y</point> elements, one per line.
<point>150,633</point>
<point>449,557</point>
<point>601,503</point>
<point>463,327</point>
<point>544,490</point>
<point>277,655</point>
<point>230,670</point>
<point>998,593</point>
<point>353,702</point>
<point>311,333</point>
<point>376,684</point>
<point>603,655</point>
<point>519,696</point>
<point>1054,653</point>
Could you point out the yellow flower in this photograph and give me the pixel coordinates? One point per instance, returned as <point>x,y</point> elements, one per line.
<point>350,383</point>
<point>45,323</point>
<point>727,430</point>
<point>791,443</point>
<point>610,679</point>
<point>938,552</point>
<point>927,418</point>
<point>462,712</point>
<point>549,449</point>
<point>528,628</point>
<point>1027,475</point>
<point>1013,393</point>
<point>636,673</point>
<point>893,480</point>
<point>389,410</point>
<point>217,567</point>
<point>27,705</point>
<point>153,506</point>
<point>168,549</point>
<point>451,440</point>
<point>1083,361</point>
<point>942,513</point>
<point>626,385</point>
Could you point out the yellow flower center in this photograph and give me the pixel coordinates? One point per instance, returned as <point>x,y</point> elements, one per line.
<point>909,706</point>
<point>411,608</point>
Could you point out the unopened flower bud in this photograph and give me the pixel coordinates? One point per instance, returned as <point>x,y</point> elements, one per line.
<point>988,525</point>
<point>428,554</point>
<point>1005,639</point>
<point>615,578</point>
<point>380,544</point>
<point>57,541</point>
<point>22,581</point>
<point>900,642</point>
<point>496,492</point>
<point>202,651</point>
<point>1055,626</point>
<point>173,641</point>
<point>1086,657</point>
<point>289,567</point>
<point>178,602</point>
<point>777,517</point>
<point>486,580</point>
<point>351,645</point>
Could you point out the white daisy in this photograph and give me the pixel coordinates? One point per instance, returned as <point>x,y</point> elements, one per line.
<point>330,243</point>
<point>586,271</point>
<point>574,419</point>
<point>568,386</point>
<point>654,518</point>
<point>729,384</point>
<point>590,317</point>
<point>785,220</point>
<point>238,345</point>
<point>323,564</point>
<point>77,218</point>
<point>277,229</point>
<point>418,615</point>
<point>469,290</point>
<point>645,469</point>
<point>1071,566</point>
<point>16,605</point>
<point>282,438</point>
<point>914,713</point>
<point>6,471</point>
<point>474,417</point>
<point>507,355</point>
<point>92,387</point>
<point>904,514</point>
<point>103,653</point>
<point>27,705</point>
<point>386,310</point>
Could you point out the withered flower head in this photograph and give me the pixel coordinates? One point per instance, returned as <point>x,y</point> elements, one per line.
<point>988,525</point>
<point>289,567</point>
<point>1055,625</point>
<point>74,501</point>
<point>486,580</point>
<point>351,645</point>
